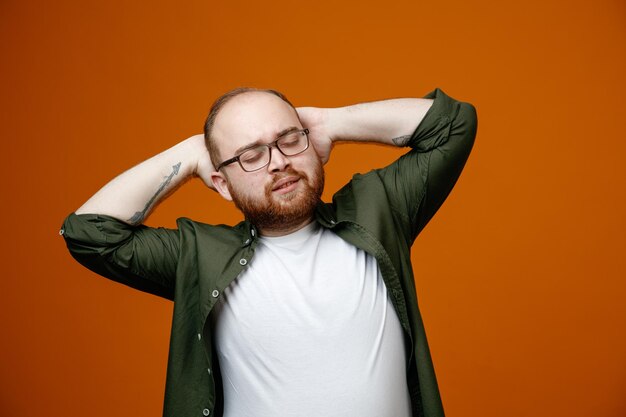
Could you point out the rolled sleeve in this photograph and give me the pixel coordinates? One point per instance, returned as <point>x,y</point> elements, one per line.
<point>421,180</point>
<point>141,257</point>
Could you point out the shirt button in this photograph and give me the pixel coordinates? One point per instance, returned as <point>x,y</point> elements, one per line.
<point>209,370</point>
<point>243,261</point>
<point>215,293</point>
<point>206,412</point>
<point>247,241</point>
<point>61,232</point>
<point>199,336</point>
<point>333,222</point>
<point>252,232</point>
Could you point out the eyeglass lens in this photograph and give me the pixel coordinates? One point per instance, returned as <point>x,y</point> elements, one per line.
<point>256,158</point>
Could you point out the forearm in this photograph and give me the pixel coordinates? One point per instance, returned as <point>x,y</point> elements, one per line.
<point>131,196</point>
<point>388,121</point>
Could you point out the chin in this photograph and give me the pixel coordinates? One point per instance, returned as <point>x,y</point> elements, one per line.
<point>278,211</point>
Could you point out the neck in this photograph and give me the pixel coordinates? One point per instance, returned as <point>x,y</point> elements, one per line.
<point>273,232</point>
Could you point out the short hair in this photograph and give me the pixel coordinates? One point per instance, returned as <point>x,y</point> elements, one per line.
<point>209,140</point>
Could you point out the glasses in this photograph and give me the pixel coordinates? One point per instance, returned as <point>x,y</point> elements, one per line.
<point>259,156</point>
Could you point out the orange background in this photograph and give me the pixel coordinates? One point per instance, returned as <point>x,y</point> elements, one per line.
<point>520,275</point>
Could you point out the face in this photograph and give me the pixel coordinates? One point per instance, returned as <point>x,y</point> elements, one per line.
<point>282,196</point>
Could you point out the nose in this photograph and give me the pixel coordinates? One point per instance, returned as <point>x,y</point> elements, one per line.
<point>278,161</point>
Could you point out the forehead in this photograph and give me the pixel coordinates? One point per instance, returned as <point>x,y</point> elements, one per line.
<point>249,117</point>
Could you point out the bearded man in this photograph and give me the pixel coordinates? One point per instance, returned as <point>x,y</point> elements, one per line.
<point>305,308</point>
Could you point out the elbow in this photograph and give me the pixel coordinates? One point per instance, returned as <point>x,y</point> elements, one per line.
<point>467,121</point>
<point>90,236</point>
<point>471,116</point>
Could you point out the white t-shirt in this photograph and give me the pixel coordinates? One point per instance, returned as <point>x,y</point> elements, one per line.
<point>308,330</point>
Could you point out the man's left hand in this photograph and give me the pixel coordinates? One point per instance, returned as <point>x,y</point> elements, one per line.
<point>316,120</point>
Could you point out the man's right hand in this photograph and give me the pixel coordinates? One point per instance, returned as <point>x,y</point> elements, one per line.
<point>204,166</point>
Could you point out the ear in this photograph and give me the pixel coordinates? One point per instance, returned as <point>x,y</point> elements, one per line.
<point>221,185</point>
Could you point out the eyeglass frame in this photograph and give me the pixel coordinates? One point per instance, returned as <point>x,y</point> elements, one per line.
<point>270,145</point>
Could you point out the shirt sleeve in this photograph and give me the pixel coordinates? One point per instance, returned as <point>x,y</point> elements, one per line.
<point>419,182</point>
<point>142,257</point>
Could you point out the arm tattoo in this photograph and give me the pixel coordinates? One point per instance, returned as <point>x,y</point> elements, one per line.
<point>401,140</point>
<point>139,216</point>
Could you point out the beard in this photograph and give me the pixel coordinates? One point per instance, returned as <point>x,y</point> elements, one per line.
<point>284,211</point>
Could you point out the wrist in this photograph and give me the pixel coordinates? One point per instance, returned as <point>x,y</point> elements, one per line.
<point>334,122</point>
<point>188,152</point>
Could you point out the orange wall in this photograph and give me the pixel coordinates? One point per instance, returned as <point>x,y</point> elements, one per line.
<point>520,275</point>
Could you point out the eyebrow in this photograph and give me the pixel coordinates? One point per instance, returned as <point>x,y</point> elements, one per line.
<point>261,141</point>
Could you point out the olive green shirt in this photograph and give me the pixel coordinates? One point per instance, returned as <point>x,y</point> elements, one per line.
<point>381,212</point>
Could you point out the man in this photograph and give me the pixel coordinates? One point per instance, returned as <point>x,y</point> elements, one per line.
<point>304,308</point>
